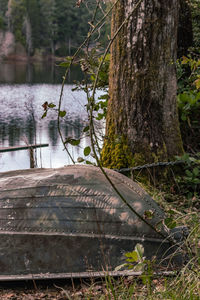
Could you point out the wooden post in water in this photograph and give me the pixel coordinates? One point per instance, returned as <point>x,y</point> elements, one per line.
<point>29,147</point>
<point>32,162</point>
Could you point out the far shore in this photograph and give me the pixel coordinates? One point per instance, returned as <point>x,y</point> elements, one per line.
<point>32,59</point>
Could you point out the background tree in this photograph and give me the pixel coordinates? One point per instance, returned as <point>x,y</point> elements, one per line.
<point>49,28</point>
<point>142,120</point>
<point>185,30</point>
<point>33,14</point>
<point>3,9</point>
<point>17,14</point>
<point>195,11</point>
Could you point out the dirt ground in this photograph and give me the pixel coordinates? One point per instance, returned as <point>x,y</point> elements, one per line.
<point>57,290</point>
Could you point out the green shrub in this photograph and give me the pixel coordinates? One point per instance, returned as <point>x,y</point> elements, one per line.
<point>188,72</point>
<point>189,182</point>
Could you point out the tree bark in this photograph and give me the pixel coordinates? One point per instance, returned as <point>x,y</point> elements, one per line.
<point>142,120</point>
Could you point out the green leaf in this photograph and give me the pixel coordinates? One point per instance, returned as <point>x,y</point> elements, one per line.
<point>75,142</point>
<point>99,117</point>
<point>66,63</point>
<point>196,180</point>
<point>80,159</point>
<point>62,113</point>
<point>105,97</point>
<point>183,97</point>
<point>87,151</point>
<point>88,162</point>
<point>44,115</point>
<point>86,129</point>
<point>197,83</point>
<point>75,89</point>
<point>185,60</point>
<point>171,212</point>
<point>170,223</point>
<point>51,105</point>
<point>159,226</point>
<point>131,256</point>
<point>183,117</point>
<point>140,251</point>
<point>72,142</point>
<point>148,214</point>
<point>195,171</point>
<point>188,173</point>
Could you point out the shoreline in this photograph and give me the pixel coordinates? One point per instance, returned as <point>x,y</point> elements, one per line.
<point>17,58</point>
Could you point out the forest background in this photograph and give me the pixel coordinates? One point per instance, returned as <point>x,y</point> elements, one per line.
<point>57,27</point>
<point>44,27</point>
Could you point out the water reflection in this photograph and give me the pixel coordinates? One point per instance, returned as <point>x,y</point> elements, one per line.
<point>53,132</point>
<point>18,131</point>
<point>21,123</point>
<point>40,72</point>
<point>23,89</point>
<point>30,128</point>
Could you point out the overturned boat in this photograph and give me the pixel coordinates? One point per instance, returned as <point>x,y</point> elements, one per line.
<point>69,222</point>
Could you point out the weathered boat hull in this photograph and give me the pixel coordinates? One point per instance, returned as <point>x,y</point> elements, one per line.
<point>63,222</point>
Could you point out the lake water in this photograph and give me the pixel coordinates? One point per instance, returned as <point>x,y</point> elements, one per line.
<point>23,90</point>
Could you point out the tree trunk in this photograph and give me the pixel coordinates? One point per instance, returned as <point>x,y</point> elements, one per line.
<point>142,120</point>
<point>28,31</point>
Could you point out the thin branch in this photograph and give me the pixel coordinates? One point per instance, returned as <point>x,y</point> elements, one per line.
<point>67,71</point>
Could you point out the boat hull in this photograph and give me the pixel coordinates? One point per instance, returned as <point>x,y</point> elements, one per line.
<point>65,222</point>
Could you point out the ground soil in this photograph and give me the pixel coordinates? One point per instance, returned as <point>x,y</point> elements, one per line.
<point>52,290</point>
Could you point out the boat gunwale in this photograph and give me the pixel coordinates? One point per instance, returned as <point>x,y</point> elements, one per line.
<point>90,235</point>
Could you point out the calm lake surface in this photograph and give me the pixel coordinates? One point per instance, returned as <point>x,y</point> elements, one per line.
<point>23,90</point>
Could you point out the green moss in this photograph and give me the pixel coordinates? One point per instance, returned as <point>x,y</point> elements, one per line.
<point>116,153</point>
<point>146,155</point>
